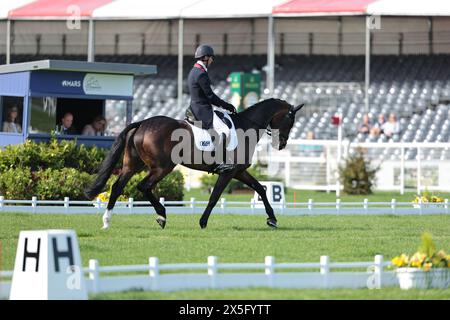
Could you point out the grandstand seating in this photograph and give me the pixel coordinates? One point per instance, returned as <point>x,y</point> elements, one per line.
<point>415,87</point>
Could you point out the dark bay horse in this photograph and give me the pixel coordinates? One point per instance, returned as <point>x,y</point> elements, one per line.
<point>150,144</point>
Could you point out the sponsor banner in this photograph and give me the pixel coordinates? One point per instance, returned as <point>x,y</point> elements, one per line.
<point>80,83</point>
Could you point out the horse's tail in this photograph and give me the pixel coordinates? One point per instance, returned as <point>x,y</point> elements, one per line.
<point>107,166</point>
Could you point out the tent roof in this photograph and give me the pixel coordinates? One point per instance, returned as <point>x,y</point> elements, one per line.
<point>410,7</point>
<point>6,6</point>
<point>362,7</point>
<point>322,7</point>
<point>208,9</point>
<point>56,8</point>
<point>141,9</point>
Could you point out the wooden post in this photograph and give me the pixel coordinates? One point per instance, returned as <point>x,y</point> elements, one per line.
<point>269,261</point>
<point>212,271</point>
<point>94,274</point>
<point>325,270</point>
<point>153,263</point>
<point>378,271</point>
<point>66,204</point>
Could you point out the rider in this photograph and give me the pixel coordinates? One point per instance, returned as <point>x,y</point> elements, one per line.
<point>202,96</point>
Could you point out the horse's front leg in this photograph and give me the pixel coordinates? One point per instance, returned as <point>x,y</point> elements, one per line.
<point>220,185</point>
<point>249,180</point>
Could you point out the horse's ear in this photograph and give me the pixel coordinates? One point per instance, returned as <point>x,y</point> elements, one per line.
<point>299,107</point>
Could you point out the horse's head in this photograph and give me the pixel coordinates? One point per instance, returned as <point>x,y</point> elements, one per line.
<point>281,124</point>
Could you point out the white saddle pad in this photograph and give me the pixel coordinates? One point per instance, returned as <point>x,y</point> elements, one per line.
<point>202,138</point>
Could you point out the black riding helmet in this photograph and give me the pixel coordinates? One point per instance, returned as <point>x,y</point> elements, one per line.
<point>204,50</point>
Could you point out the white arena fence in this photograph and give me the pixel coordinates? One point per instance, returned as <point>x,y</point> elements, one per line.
<point>214,275</point>
<point>193,206</point>
<point>403,166</point>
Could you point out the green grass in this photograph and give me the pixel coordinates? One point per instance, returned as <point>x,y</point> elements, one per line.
<point>283,294</point>
<point>233,238</point>
<point>317,196</point>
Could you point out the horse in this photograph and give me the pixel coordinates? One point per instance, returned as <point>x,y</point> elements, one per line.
<point>149,144</point>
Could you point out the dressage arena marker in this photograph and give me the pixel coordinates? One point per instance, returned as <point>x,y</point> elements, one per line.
<point>48,267</point>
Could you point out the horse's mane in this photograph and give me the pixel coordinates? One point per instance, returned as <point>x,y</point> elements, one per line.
<point>269,101</point>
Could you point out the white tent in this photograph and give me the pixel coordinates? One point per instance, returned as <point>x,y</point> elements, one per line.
<point>211,9</point>
<point>409,8</point>
<point>142,9</point>
<point>6,6</point>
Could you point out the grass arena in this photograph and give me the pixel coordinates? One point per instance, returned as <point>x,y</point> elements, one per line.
<point>132,239</point>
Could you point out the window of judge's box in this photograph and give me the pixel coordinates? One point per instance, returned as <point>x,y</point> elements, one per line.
<point>12,113</point>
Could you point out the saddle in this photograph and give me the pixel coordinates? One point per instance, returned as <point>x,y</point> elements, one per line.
<point>202,138</point>
<point>190,118</point>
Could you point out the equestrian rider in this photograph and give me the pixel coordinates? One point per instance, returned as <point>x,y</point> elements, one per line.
<point>202,96</point>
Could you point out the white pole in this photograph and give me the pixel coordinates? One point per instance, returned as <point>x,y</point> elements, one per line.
<point>270,55</point>
<point>339,156</point>
<point>367,69</point>
<point>402,171</point>
<point>91,41</point>
<point>419,171</point>
<point>180,62</point>
<point>325,269</point>
<point>8,41</point>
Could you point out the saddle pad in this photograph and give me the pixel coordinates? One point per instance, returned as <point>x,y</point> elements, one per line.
<point>202,138</point>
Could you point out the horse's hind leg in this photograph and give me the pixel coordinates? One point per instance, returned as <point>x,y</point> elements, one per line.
<point>116,191</point>
<point>146,187</point>
<point>249,180</point>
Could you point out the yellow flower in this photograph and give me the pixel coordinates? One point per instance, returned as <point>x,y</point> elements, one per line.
<point>441,254</point>
<point>417,259</point>
<point>400,261</point>
<point>104,197</point>
<point>427,266</point>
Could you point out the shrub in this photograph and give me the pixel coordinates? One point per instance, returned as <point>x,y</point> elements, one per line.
<point>54,154</point>
<point>171,187</point>
<point>57,184</point>
<point>17,183</point>
<point>356,175</point>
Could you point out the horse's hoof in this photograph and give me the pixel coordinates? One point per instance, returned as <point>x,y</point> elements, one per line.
<point>161,222</point>
<point>203,224</point>
<point>105,224</point>
<point>272,223</point>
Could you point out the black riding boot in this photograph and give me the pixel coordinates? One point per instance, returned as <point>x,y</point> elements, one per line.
<point>224,166</point>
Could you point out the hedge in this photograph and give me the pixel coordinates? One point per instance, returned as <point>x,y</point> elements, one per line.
<point>54,170</point>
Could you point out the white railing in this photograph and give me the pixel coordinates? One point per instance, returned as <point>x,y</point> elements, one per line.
<point>209,275</point>
<point>304,167</point>
<point>194,206</point>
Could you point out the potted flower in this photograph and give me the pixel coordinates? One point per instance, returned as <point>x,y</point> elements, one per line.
<point>427,268</point>
<point>104,199</point>
<point>427,199</point>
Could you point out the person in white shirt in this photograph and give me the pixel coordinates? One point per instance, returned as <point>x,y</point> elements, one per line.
<point>392,127</point>
<point>96,128</point>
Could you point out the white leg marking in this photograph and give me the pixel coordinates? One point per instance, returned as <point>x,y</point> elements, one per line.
<point>106,219</point>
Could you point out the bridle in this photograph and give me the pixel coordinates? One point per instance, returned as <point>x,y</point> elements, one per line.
<point>289,116</point>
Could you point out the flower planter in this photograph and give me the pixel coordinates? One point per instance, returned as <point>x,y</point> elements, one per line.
<point>414,278</point>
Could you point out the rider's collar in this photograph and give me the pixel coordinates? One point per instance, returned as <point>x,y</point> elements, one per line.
<point>202,64</point>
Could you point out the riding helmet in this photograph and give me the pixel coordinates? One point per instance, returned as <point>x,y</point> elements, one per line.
<point>204,50</point>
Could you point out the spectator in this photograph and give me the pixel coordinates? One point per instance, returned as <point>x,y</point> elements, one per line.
<point>391,129</point>
<point>96,128</point>
<point>66,124</point>
<point>11,124</point>
<point>365,127</point>
<point>377,129</point>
